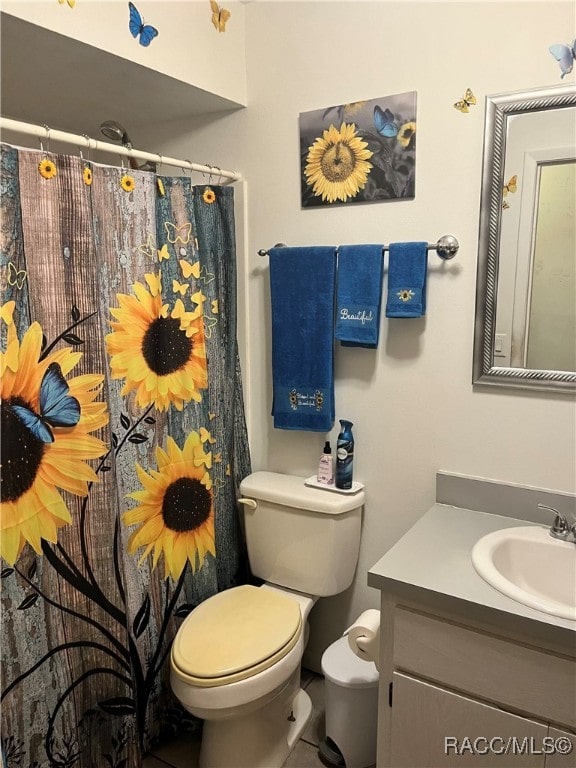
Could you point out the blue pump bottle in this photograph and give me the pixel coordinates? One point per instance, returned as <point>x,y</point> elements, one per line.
<point>344,455</point>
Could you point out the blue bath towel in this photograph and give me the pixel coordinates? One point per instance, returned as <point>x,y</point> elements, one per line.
<point>302,288</point>
<point>407,276</point>
<point>359,295</point>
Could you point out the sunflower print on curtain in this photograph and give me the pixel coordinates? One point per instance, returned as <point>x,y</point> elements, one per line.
<point>123,443</point>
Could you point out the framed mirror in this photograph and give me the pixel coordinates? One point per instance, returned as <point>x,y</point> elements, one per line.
<point>525,324</point>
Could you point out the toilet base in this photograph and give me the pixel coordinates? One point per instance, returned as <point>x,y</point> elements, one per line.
<point>262,739</point>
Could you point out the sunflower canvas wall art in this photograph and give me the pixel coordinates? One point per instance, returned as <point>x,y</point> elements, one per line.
<point>364,151</point>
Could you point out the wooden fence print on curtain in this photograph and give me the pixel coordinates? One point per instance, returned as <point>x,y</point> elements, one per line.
<point>123,444</point>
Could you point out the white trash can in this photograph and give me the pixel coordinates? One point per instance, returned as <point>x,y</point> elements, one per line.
<point>351,695</point>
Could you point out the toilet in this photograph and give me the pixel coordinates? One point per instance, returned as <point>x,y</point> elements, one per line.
<point>235,661</point>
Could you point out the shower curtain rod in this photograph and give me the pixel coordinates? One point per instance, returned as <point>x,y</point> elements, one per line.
<point>82,141</point>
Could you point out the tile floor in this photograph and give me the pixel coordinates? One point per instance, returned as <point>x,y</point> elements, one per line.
<point>184,754</point>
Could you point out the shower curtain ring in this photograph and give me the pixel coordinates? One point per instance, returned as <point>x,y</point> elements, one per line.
<point>189,169</point>
<point>47,129</point>
<point>87,139</point>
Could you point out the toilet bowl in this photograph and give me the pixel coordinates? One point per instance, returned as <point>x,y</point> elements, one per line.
<point>247,686</point>
<point>235,661</point>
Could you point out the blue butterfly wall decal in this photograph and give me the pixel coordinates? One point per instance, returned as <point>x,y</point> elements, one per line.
<point>564,55</point>
<point>144,32</point>
<point>384,122</point>
<point>57,407</point>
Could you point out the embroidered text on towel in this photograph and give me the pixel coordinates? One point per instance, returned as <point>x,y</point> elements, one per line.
<point>358,316</point>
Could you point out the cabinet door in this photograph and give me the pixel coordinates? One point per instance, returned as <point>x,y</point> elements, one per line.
<point>557,759</point>
<point>435,728</point>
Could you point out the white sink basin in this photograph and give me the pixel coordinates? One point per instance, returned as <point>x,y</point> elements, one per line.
<point>531,567</point>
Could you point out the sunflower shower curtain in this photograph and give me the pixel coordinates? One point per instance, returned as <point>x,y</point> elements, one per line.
<point>123,442</point>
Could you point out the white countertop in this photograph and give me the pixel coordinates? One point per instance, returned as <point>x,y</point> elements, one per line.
<point>434,558</point>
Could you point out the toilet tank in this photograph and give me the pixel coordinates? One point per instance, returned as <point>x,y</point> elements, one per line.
<point>301,537</point>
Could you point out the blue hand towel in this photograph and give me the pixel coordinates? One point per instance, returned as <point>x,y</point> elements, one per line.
<point>302,287</point>
<point>407,276</point>
<point>359,295</point>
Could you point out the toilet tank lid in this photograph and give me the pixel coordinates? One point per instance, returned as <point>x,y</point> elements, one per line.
<point>291,491</point>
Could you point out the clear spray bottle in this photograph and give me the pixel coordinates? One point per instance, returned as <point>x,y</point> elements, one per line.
<point>326,466</point>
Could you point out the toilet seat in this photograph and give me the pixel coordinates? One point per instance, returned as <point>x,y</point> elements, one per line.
<point>234,635</point>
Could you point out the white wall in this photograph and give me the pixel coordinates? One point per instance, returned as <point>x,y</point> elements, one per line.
<point>188,48</point>
<point>412,402</point>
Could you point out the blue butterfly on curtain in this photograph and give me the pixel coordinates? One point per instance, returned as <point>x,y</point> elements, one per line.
<point>564,55</point>
<point>144,32</point>
<point>384,122</point>
<point>57,407</point>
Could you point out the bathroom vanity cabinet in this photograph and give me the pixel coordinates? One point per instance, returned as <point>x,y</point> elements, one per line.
<point>455,690</point>
<point>467,675</point>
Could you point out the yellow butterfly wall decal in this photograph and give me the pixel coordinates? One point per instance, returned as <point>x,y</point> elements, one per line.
<point>178,234</point>
<point>190,269</point>
<point>219,16</point>
<point>71,3</point>
<point>512,186</point>
<point>180,288</point>
<point>464,104</point>
<point>16,276</point>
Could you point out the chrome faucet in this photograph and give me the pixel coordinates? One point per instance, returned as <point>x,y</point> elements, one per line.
<point>560,528</point>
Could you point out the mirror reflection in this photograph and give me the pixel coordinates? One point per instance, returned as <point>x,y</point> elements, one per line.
<point>550,338</point>
<point>525,331</point>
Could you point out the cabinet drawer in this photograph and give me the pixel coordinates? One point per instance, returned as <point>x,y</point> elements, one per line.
<point>500,671</point>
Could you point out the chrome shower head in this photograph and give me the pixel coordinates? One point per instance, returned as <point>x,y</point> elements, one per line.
<point>113,130</point>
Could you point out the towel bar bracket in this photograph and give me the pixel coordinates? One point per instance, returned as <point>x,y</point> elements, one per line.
<point>446,247</point>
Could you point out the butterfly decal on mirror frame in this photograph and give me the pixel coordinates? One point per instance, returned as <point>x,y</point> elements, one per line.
<point>139,29</point>
<point>384,122</point>
<point>564,55</point>
<point>57,407</point>
<point>16,276</point>
<point>464,104</point>
<point>511,187</point>
<point>219,16</point>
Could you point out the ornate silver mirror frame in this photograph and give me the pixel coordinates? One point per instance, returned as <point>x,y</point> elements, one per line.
<point>499,109</point>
